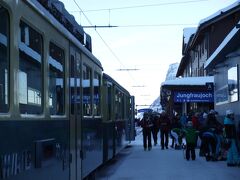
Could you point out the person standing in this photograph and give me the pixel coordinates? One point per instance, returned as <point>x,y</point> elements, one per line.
<point>155,128</point>
<point>230,133</point>
<point>176,132</point>
<point>183,120</point>
<point>212,122</point>
<point>164,124</point>
<point>195,121</point>
<point>209,142</point>
<point>191,136</point>
<point>146,124</point>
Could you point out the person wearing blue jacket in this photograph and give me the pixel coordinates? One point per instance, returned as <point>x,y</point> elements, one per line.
<point>230,133</point>
<point>209,142</point>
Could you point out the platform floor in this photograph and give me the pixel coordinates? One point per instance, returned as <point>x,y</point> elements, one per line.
<point>133,163</point>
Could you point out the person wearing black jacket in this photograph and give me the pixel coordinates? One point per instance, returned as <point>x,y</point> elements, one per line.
<point>155,128</point>
<point>146,124</point>
<point>164,124</point>
<point>212,122</point>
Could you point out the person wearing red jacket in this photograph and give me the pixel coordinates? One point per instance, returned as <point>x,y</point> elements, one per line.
<point>195,121</point>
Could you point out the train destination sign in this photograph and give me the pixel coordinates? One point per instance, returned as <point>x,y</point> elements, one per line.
<point>184,96</point>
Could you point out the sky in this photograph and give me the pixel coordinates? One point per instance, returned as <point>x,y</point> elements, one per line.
<point>147,40</point>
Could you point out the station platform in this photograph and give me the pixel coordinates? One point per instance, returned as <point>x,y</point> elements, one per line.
<point>133,163</point>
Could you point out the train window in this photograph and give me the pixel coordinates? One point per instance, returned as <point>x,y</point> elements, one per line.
<point>117,105</point>
<point>4,60</point>
<point>30,70</point>
<point>72,83</point>
<point>123,105</point>
<point>96,101</point>
<point>78,82</point>
<point>75,82</point>
<point>109,101</point>
<point>87,98</point>
<point>56,80</point>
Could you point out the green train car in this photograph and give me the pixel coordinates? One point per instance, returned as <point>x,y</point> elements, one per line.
<point>118,116</point>
<point>53,107</point>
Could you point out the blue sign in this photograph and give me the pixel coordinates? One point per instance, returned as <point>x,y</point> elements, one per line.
<point>145,110</point>
<point>184,96</point>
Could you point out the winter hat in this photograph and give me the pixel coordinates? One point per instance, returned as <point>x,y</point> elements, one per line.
<point>145,114</point>
<point>212,111</point>
<point>189,124</point>
<point>229,112</point>
<point>163,112</point>
<point>204,115</point>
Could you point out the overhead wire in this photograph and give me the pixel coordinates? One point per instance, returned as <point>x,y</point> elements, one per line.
<point>139,25</point>
<point>153,25</point>
<point>128,26</point>
<point>99,34</point>
<point>109,48</point>
<point>143,6</point>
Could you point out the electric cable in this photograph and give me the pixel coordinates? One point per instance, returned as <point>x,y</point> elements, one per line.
<point>143,6</point>
<point>109,48</point>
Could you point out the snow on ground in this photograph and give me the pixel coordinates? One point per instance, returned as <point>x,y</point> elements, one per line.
<point>133,163</point>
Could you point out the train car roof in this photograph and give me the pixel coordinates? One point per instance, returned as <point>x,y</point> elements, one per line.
<point>109,78</point>
<point>189,81</point>
<point>54,22</point>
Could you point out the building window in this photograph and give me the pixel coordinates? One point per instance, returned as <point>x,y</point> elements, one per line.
<point>202,46</point>
<point>206,49</point>
<point>190,70</point>
<point>56,80</point>
<point>30,75</point>
<point>4,60</point>
<point>201,71</point>
<point>87,94</point>
<point>96,100</point>
<point>233,84</point>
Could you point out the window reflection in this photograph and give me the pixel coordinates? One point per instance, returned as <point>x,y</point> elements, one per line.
<point>72,83</point>
<point>109,100</point>
<point>78,82</point>
<point>96,101</point>
<point>56,80</point>
<point>30,70</point>
<point>118,105</point>
<point>233,84</point>
<point>4,60</point>
<point>87,98</point>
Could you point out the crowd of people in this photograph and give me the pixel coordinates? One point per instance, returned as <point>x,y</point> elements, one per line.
<point>216,141</point>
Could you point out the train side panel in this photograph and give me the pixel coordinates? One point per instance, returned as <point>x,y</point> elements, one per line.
<point>108,120</point>
<point>58,120</point>
<point>92,135</point>
<point>34,136</point>
<point>116,112</point>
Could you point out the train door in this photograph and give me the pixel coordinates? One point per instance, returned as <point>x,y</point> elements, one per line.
<point>132,118</point>
<point>75,113</point>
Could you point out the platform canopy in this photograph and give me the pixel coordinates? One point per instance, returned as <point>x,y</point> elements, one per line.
<point>189,81</point>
